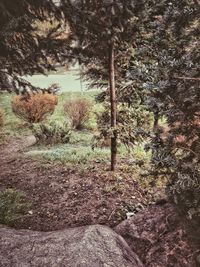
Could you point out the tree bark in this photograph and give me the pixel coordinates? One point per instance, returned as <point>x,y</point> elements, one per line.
<point>113,107</point>
<point>156,118</point>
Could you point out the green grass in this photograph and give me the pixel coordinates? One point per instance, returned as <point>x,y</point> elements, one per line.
<point>70,154</point>
<point>81,138</point>
<point>139,154</point>
<point>13,127</point>
<point>77,151</point>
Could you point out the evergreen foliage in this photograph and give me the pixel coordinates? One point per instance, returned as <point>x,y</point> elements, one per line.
<point>104,33</point>
<point>23,50</point>
<point>174,94</point>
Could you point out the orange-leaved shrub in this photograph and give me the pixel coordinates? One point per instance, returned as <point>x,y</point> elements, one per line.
<point>78,112</point>
<point>1,117</point>
<point>34,108</point>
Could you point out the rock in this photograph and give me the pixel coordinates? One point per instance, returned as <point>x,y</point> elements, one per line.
<point>158,237</point>
<point>90,246</point>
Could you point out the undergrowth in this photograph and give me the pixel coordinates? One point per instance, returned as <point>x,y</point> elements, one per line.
<point>13,205</point>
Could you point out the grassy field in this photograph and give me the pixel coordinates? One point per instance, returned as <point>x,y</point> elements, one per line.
<point>67,80</point>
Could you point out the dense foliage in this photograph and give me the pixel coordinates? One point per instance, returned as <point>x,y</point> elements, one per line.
<point>97,24</point>
<point>162,73</point>
<point>174,95</point>
<point>23,49</point>
<point>133,121</point>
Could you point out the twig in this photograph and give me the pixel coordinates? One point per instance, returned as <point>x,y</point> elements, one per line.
<point>111,214</point>
<point>188,78</point>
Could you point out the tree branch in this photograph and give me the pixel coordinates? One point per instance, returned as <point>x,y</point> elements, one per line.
<point>188,78</point>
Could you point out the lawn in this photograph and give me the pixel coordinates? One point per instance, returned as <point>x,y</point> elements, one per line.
<point>66,80</point>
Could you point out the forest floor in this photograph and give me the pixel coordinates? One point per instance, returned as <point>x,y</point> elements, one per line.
<point>66,196</point>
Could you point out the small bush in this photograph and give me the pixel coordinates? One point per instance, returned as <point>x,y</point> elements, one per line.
<point>1,117</point>
<point>34,108</point>
<point>52,132</point>
<point>78,112</point>
<point>12,206</point>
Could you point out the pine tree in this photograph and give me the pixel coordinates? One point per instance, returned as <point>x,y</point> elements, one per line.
<point>104,32</point>
<point>23,51</point>
<point>177,98</point>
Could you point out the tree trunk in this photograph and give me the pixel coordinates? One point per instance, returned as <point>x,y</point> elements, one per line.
<point>113,107</point>
<point>156,118</point>
<point>81,80</point>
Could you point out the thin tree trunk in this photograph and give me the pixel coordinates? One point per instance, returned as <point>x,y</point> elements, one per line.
<point>81,80</point>
<point>156,118</point>
<point>113,107</point>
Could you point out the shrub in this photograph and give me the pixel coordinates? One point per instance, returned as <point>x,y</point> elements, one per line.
<point>12,206</point>
<point>78,112</point>
<point>1,117</point>
<point>132,126</point>
<point>184,190</point>
<point>52,132</point>
<point>34,108</point>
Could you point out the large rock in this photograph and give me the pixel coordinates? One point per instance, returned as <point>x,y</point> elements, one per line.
<point>158,237</point>
<point>91,246</point>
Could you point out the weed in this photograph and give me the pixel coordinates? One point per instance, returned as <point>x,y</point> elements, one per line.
<point>52,132</point>
<point>12,206</point>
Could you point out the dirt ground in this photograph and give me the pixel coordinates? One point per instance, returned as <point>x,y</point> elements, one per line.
<point>62,196</point>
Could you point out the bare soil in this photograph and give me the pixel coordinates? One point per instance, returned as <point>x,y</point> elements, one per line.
<point>62,196</point>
